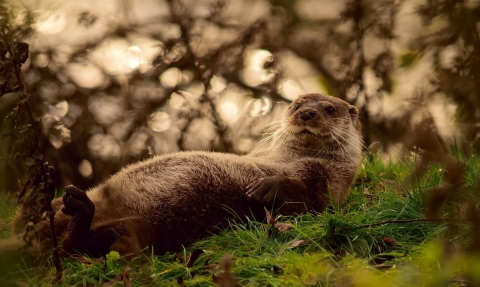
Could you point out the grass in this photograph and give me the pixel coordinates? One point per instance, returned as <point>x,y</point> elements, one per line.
<point>7,209</point>
<point>335,248</point>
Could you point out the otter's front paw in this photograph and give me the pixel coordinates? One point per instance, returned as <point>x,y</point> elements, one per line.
<point>267,190</point>
<point>77,204</point>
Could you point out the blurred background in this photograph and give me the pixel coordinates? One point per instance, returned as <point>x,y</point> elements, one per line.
<point>115,81</point>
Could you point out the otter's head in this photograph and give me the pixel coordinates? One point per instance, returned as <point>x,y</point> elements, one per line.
<point>323,123</point>
<point>321,115</point>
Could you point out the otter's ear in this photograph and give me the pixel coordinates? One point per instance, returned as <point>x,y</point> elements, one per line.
<point>353,111</point>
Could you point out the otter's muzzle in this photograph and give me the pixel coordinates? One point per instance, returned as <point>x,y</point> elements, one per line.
<point>307,115</point>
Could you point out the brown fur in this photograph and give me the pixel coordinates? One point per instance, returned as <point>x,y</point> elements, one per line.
<point>169,201</point>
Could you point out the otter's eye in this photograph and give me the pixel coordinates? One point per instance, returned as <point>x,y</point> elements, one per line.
<point>330,110</point>
<point>296,107</point>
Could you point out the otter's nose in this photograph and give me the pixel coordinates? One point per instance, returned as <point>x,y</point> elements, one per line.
<point>306,115</point>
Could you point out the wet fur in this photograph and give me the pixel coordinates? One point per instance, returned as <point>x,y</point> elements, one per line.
<point>169,201</point>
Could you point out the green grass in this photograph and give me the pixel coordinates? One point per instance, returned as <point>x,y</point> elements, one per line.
<point>338,246</point>
<point>7,209</point>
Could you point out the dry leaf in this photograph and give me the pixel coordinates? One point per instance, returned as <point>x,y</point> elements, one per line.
<point>389,240</point>
<point>180,282</point>
<point>269,218</point>
<point>180,257</point>
<point>295,243</point>
<point>283,226</point>
<point>126,277</point>
<point>226,279</point>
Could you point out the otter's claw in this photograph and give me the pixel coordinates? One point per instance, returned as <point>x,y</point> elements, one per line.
<point>265,190</point>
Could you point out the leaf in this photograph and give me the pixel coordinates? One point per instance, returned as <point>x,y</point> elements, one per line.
<point>269,218</point>
<point>389,240</point>
<point>180,257</point>
<point>282,227</point>
<point>295,243</point>
<point>112,256</point>
<point>226,279</point>
<point>126,277</point>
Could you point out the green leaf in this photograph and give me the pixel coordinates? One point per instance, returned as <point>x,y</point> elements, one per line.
<point>112,256</point>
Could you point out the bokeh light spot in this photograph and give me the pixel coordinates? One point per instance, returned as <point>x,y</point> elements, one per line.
<point>104,146</point>
<point>228,110</point>
<point>116,56</point>
<point>260,107</point>
<point>171,77</point>
<point>41,60</point>
<point>218,84</point>
<point>159,121</point>
<point>85,75</point>
<point>290,89</point>
<point>257,58</point>
<point>59,110</point>
<point>106,109</point>
<point>176,101</point>
<point>134,57</point>
<point>50,22</point>
<point>85,168</point>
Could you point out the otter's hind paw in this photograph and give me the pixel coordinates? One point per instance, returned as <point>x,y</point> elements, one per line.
<point>78,205</point>
<point>76,201</point>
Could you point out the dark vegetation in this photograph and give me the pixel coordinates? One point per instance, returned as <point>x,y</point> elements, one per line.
<point>178,97</point>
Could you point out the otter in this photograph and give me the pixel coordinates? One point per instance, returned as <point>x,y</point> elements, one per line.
<point>172,200</point>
